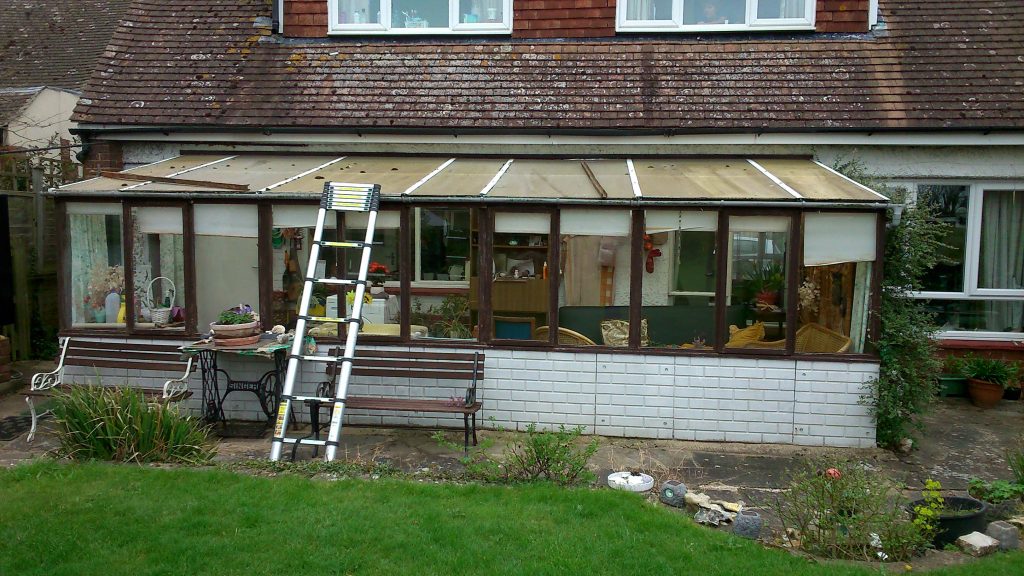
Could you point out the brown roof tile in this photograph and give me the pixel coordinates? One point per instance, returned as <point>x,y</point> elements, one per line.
<point>935,64</point>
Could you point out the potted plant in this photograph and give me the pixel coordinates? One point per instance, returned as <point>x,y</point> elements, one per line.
<point>986,379</point>
<point>764,282</point>
<point>238,322</point>
<point>947,518</point>
<point>952,381</point>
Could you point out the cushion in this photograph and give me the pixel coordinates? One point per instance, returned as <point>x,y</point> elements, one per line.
<point>616,332</point>
<point>742,338</point>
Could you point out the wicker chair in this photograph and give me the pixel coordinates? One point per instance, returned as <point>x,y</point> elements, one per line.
<point>812,339</point>
<point>565,336</point>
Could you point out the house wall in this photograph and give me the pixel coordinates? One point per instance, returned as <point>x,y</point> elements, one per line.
<point>45,120</point>
<point>804,402</point>
<point>570,18</point>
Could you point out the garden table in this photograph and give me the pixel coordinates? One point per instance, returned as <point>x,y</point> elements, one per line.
<point>267,387</point>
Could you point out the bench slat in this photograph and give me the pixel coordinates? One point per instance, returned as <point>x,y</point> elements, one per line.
<point>128,346</point>
<point>101,363</point>
<point>463,356</point>
<point>412,373</point>
<point>441,365</point>
<point>404,405</point>
<point>146,392</point>
<point>174,356</point>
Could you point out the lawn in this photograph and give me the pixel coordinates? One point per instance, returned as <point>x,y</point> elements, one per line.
<point>110,520</point>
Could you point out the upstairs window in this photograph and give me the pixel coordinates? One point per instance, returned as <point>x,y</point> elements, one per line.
<point>420,16</point>
<point>714,15</point>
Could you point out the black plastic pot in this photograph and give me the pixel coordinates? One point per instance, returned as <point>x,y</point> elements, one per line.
<point>969,517</point>
<point>1011,394</point>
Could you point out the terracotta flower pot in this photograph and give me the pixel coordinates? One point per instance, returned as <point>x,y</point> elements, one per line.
<point>768,297</point>
<point>984,394</point>
<point>235,330</point>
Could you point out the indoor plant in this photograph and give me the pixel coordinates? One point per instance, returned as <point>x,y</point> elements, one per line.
<point>763,283</point>
<point>986,379</point>
<point>238,322</point>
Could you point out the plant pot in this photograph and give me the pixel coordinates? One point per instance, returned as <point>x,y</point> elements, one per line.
<point>768,297</point>
<point>984,394</point>
<point>961,516</point>
<point>224,331</point>
<point>1011,394</point>
<point>950,385</point>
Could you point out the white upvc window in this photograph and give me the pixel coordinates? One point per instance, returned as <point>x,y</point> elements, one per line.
<point>714,15</point>
<point>420,16</point>
<point>978,290</point>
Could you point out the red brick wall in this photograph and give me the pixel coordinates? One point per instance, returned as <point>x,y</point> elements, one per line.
<point>103,155</point>
<point>563,18</point>
<point>569,18</point>
<point>842,16</point>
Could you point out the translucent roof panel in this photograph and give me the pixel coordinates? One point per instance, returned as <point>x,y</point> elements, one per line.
<point>186,163</point>
<point>256,170</point>
<point>564,179</point>
<point>705,179</point>
<point>465,177</point>
<point>814,182</point>
<point>395,174</point>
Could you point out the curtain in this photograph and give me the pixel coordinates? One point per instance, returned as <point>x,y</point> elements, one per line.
<point>1002,255</point>
<point>88,250</point>
<point>582,270</point>
<point>643,10</point>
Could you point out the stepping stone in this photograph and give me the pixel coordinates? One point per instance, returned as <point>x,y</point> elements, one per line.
<point>977,544</point>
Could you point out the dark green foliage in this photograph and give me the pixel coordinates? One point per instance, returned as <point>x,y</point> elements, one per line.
<point>990,370</point>
<point>106,423</point>
<point>996,491</point>
<point>906,347</point>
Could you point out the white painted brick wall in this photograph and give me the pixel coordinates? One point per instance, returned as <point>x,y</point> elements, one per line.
<point>725,398</point>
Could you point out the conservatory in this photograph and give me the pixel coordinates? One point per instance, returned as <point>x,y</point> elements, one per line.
<point>718,298</point>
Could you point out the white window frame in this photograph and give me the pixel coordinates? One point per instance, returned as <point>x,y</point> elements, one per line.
<point>417,281</point>
<point>972,254</point>
<point>622,24</point>
<point>386,25</point>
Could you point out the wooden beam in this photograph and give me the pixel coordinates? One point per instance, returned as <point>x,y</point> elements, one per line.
<point>593,179</point>
<point>177,181</point>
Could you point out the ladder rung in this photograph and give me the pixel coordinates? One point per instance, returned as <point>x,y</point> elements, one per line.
<point>336,281</point>
<point>304,441</point>
<point>334,320</point>
<point>310,358</point>
<point>317,398</point>
<point>347,244</point>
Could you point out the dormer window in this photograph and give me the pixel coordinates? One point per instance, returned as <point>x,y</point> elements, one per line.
<point>420,16</point>
<point>714,15</point>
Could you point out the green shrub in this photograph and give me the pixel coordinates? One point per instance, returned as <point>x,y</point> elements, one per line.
<point>1015,458</point>
<point>106,423</point>
<point>847,512</point>
<point>989,369</point>
<point>996,491</point>
<point>557,456</point>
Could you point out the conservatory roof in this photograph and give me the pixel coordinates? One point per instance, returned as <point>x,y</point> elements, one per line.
<point>472,179</point>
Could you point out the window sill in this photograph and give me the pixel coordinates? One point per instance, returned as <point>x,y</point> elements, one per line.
<point>698,29</point>
<point>421,32</point>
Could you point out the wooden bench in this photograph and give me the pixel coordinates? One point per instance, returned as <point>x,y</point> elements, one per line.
<point>466,366</point>
<point>126,355</point>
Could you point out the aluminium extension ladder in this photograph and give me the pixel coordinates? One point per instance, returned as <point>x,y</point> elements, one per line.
<point>337,197</point>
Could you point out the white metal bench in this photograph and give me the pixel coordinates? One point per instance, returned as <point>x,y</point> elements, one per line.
<point>99,354</point>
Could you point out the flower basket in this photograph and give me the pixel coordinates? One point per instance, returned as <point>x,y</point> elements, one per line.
<point>233,331</point>
<point>160,314</point>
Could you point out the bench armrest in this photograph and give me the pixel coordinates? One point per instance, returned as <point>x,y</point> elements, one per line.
<point>178,387</point>
<point>51,379</point>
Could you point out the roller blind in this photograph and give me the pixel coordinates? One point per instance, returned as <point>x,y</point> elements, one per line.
<point>691,220</point>
<point>595,222</point>
<point>299,216</point>
<point>759,224</point>
<point>831,238</point>
<point>158,220</point>
<point>523,223</point>
<point>238,220</point>
<point>105,209</point>
<point>385,220</point>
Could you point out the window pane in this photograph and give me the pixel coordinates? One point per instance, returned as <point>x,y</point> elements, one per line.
<point>767,9</point>
<point>158,258</point>
<point>381,316</point>
<point>519,294</point>
<point>443,300</point>
<point>477,11</point>
<point>593,292</point>
<point>419,13</point>
<point>97,271</point>
<point>979,315</point>
<point>680,271</point>
<point>1001,264</point>
<point>648,9</point>
<point>358,11</point>
<point>833,308</point>
<point>227,259</point>
<point>712,12</point>
<point>290,241</point>
<point>757,282</point>
<point>950,203</point>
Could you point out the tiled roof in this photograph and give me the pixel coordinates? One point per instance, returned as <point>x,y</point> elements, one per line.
<point>54,42</point>
<point>934,64</point>
<point>13,101</point>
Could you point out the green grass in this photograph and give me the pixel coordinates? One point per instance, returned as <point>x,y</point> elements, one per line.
<point>118,519</point>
